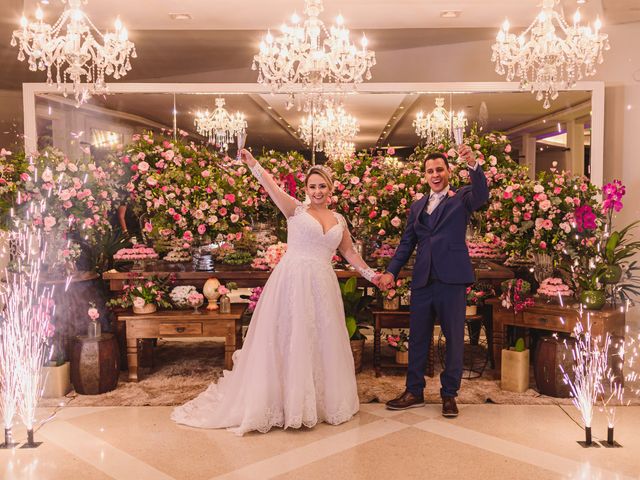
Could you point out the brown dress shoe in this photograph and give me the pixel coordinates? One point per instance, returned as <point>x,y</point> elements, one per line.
<point>406,400</point>
<point>449,407</point>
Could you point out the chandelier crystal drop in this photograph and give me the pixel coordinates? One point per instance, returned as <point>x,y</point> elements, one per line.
<point>219,126</point>
<point>339,150</point>
<point>439,124</point>
<point>330,125</point>
<point>306,54</point>
<point>550,55</point>
<point>73,50</point>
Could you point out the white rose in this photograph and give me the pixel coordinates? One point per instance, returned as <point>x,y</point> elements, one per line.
<point>139,302</point>
<point>47,175</point>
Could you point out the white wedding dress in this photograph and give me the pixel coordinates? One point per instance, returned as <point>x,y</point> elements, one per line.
<point>296,366</point>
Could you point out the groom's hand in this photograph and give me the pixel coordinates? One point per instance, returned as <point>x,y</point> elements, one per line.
<point>466,154</point>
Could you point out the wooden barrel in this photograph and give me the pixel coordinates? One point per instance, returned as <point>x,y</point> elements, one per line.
<point>95,364</point>
<point>551,354</point>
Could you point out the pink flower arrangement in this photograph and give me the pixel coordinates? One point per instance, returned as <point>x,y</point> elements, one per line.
<point>93,313</point>
<point>195,299</point>
<point>399,342</point>
<point>138,252</point>
<point>268,259</point>
<point>253,299</point>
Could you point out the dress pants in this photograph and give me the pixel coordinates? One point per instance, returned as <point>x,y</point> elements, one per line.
<point>445,302</point>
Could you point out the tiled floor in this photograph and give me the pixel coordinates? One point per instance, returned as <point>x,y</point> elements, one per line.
<point>485,441</point>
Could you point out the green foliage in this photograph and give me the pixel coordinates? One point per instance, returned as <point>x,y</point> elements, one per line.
<point>520,345</point>
<point>355,304</point>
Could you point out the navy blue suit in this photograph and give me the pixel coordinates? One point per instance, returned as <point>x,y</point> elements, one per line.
<point>441,274</point>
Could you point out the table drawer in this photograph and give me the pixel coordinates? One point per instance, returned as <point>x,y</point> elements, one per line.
<point>176,328</point>
<point>548,322</point>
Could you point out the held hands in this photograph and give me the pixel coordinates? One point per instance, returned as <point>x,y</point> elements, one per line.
<point>466,154</point>
<point>385,281</point>
<point>246,157</point>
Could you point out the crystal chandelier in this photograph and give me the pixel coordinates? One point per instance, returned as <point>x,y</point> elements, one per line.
<point>219,126</point>
<point>438,125</point>
<point>550,55</point>
<point>330,125</point>
<point>308,54</point>
<point>81,52</point>
<point>339,150</point>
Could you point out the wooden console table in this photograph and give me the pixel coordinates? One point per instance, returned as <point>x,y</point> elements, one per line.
<point>185,275</point>
<point>183,323</point>
<point>392,319</point>
<point>554,318</point>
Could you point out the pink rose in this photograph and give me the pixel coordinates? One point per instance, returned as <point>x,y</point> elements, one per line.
<point>143,167</point>
<point>527,215</point>
<point>507,148</point>
<point>230,197</point>
<point>93,313</point>
<point>206,173</point>
<point>222,211</point>
<point>543,245</point>
<point>234,218</point>
<point>49,222</point>
<point>395,221</point>
<point>148,227</point>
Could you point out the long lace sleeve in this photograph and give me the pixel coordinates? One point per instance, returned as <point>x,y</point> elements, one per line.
<point>285,202</point>
<point>348,251</point>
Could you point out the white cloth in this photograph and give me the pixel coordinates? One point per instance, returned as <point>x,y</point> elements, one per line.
<point>296,366</point>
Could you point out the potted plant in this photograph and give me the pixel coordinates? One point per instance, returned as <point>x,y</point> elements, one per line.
<point>56,373</point>
<point>400,343</point>
<point>355,303</point>
<point>514,373</point>
<point>391,297</point>
<point>475,297</point>
<point>515,294</point>
<point>144,295</point>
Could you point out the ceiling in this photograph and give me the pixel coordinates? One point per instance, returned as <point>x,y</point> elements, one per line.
<point>223,36</point>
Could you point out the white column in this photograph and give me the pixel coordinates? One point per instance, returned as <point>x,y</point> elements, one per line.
<point>529,152</point>
<point>575,143</point>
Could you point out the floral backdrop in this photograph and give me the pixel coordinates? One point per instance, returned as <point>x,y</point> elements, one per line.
<point>187,192</point>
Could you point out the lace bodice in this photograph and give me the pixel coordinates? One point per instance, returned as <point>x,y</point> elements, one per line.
<point>305,236</point>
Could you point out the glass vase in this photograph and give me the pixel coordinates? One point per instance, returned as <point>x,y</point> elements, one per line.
<point>94,329</point>
<point>542,266</point>
<point>225,304</point>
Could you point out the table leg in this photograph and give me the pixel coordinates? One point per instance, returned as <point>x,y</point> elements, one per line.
<point>230,345</point>
<point>132,358</point>
<point>377,332</point>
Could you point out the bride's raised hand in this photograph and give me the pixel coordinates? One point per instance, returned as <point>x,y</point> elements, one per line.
<point>247,157</point>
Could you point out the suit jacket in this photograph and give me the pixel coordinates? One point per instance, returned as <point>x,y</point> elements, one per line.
<point>443,245</point>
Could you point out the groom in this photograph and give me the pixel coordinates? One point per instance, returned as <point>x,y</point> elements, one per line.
<point>437,225</point>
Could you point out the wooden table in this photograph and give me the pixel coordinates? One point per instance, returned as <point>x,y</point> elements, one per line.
<point>392,319</point>
<point>180,324</point>
<point>185,275</point>
<point>552,317</point>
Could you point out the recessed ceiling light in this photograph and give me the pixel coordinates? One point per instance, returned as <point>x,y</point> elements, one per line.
<point>180,16</point>
<point>450,13</point>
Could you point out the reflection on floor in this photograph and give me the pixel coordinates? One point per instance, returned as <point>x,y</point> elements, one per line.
<point>485,441</point>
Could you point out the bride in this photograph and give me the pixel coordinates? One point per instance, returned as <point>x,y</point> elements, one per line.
<point>296,366</point>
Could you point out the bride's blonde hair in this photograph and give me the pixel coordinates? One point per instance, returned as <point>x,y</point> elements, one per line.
<point>323,171</point>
